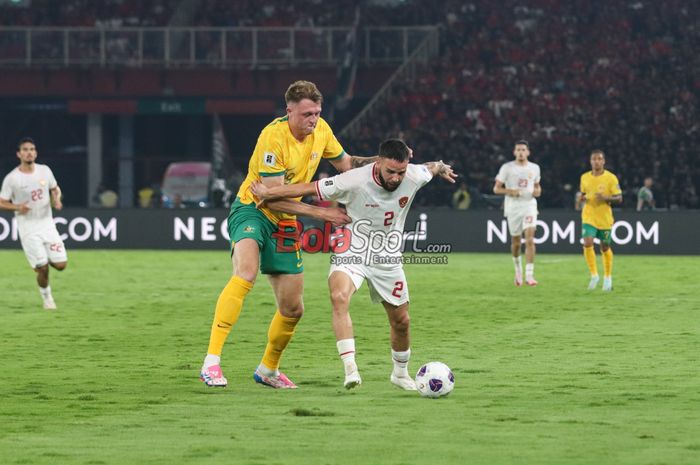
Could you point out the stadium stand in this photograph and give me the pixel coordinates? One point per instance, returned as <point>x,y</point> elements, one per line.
<point>77,13</point>
<point>567,76</point>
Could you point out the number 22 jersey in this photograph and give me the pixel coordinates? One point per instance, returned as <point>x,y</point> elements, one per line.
<point>33,189</point>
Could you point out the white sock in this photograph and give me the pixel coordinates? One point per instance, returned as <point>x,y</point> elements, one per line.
<point>210,360</point>
<point>517,263</point>
<point>268,371</point>
<point>346,350</point>
<point>529,270</point>
<point>45,292</point>
<point>401,362</point>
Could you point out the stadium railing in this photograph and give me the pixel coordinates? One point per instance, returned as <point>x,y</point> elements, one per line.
<point>421,55</point>
<point>202,46</point>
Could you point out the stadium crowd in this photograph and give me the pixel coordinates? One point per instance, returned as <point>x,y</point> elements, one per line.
<point>212,13</point>
<point>567,76</point>
<point>85,13</point>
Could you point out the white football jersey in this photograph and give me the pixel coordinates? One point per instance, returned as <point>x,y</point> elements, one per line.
<point>523,177</point>
<point>33,188</point>
<point>378,215</point>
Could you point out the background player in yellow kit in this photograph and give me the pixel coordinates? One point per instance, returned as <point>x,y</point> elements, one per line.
<point>288,151</point>
<point>599,189</point>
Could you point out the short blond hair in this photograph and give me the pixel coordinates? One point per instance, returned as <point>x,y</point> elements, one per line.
<point>300,90</point>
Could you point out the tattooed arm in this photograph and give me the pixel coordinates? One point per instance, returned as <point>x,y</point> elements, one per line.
<point>438,168</point>
<point>348,162</point>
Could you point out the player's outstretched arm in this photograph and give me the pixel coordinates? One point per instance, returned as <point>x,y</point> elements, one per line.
<point>438,168</point>
<point>275,197</point>
<point>334,215</point>
<point>266,193</point>
<point>348,162</point>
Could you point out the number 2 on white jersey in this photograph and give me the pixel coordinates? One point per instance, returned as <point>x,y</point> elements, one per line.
<point>388,218</point>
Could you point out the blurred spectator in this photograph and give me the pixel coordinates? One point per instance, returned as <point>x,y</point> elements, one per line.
<point>219,193</point>
<point>461,199</point>
<point>105,197</point>
<point>109,199</point>
<point>157,198</point>
<point>645,197</point>
<point>145,195</point>
<point>177,202</point>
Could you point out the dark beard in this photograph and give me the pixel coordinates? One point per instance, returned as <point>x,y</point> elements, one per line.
<point>384,183</point>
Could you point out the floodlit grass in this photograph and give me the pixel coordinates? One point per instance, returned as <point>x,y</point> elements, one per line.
<point>546,375</point>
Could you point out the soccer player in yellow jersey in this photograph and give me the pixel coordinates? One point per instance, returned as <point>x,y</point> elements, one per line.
<point>288,151</point>
<point>599,189</point>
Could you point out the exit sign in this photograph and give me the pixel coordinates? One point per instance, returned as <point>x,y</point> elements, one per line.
<point>182,106</point>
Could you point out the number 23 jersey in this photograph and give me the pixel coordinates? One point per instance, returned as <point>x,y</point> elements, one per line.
<point>523,178</point>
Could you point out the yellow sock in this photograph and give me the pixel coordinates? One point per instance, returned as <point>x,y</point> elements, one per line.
<point>278,336</point>
<point>589,254</point>
<point>228,309</point>
<point>607,262</point>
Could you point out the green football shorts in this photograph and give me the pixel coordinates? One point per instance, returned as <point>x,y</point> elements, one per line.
<point>280,251</point>
<point>604,235</point>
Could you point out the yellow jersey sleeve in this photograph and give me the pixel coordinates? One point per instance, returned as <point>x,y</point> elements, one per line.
<point>614,185</point>
<point>333,150</point>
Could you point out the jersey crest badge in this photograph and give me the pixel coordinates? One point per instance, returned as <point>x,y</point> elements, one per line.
<point>42,182</point>
<point>269,158</point>
<point>403,201</point>
<point>314,155</point>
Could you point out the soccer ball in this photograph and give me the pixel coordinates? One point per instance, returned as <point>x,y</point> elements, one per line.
<point>435,379</point>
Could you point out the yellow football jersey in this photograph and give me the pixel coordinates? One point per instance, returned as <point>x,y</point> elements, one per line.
<point>278,153</point>
<point>595,212</point>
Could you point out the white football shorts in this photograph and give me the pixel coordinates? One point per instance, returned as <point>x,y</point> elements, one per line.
<point>385,285</point>
<point>43,246</point>
<point>519,221</point>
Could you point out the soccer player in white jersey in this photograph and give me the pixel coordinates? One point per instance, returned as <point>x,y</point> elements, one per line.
<point>377,198</point>
<point>519,181</point>
<point>29,190</point>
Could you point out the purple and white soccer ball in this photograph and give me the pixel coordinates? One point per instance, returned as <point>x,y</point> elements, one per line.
<point>435,379</point>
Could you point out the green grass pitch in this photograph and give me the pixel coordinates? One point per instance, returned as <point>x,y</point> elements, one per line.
<point>546,375</point>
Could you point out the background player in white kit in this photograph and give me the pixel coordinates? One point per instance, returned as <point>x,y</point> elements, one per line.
<point>519,181</point>
<point>377,198</point>
<point>29,190</point>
